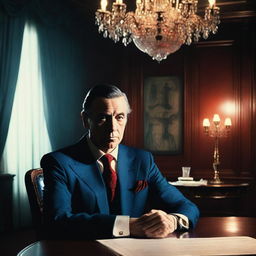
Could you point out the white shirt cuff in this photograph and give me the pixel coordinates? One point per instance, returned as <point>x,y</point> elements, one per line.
<point>121,226</point>
<point>183,221</point>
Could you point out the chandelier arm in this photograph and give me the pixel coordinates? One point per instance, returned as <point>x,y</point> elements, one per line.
<point>157,27</point>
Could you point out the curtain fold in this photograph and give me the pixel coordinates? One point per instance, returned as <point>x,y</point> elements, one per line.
<point>62,61</point>
<point>11,33</point>
<point>64,85</point>
<point>27,138</point>
<point>60,24</point>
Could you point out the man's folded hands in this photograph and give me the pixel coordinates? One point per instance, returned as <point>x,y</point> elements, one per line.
<point>154,224</point>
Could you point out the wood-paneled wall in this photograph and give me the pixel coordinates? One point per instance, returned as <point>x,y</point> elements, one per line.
<point>217,73</point>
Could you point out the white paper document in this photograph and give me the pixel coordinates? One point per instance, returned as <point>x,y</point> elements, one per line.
<point>237,245</point>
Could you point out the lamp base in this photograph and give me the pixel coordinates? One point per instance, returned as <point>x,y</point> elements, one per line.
<point>217,181</point>
<point>216,177</point>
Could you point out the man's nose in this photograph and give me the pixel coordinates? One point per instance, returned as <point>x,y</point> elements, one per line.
<point>112,124</point>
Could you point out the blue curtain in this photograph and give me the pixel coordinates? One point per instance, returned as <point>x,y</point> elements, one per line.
<point>64,84</point>
<point>60,36</point>
<point>61,27</point>
<point>60,23</point>
<point>11,33</point>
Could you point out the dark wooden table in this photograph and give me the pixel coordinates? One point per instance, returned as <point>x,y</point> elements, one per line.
<point>226,189</point>
<point>229,198</point>
<point>206,227</point>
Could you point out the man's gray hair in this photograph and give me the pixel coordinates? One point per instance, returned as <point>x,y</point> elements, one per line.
<point>103,91</point>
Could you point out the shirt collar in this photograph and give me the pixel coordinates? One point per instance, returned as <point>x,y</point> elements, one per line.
<point>97,153</point>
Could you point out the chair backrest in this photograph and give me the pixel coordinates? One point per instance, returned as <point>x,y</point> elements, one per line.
<point>34,181</point>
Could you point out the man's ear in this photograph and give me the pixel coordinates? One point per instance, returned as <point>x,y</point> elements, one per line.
<point>84,118</point>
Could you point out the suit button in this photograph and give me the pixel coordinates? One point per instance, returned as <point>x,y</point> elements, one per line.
<point>121,233</point>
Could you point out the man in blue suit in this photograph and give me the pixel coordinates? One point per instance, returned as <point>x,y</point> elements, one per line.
<point>99,188</point>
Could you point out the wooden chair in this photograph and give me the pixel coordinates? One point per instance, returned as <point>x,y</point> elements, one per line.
<point>34,181</point>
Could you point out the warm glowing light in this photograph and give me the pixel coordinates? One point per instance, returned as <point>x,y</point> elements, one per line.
<point>232,226</point>
<point>211,3</point>
<point>228,108</point>
<point>216,131</point>
<point>157,27</point>
<point>228,122</point>
<point>177,4</point>
<point>103,4</point>
<point>216,118</point>
<point>206,122</point>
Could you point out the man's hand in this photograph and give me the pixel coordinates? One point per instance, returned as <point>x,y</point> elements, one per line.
<point>155,224</point>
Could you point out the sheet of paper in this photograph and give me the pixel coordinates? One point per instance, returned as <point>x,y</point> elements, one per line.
<point>237,245</point>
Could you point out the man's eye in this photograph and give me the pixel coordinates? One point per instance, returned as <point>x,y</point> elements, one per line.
<point>101,118</point>
<point>120,117</point>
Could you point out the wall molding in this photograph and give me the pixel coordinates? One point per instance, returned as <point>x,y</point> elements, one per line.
<point>219,43</point>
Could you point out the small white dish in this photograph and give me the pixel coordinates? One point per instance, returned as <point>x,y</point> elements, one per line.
<point>185,178</point>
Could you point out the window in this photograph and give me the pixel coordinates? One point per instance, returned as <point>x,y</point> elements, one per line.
<point>27,138</point>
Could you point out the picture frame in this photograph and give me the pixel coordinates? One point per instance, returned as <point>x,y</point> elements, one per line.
<point>163,114</point>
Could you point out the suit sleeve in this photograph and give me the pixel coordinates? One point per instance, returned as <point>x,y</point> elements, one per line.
<point>58,217</point>
<point>169,198</point>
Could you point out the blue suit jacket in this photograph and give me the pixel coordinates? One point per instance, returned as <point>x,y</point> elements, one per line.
<point>75,197</point>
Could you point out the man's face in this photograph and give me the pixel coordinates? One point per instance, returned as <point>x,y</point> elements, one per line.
<point>106,121</point>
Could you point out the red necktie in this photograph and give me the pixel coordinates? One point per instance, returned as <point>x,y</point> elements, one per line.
<point>109,174</point>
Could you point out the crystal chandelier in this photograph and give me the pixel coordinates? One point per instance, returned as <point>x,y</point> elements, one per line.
<point>157,27</point>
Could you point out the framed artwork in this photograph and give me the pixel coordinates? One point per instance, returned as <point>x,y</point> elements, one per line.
<point>163,114</point>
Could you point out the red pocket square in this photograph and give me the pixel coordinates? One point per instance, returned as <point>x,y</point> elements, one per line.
<point>140,185</point>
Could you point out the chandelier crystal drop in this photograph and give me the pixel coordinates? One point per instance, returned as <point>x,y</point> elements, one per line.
<point>157,27</point>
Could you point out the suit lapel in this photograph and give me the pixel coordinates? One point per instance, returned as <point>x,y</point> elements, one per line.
<point>92,177</point>
<point>87,169</point>
<point>126,178</point>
